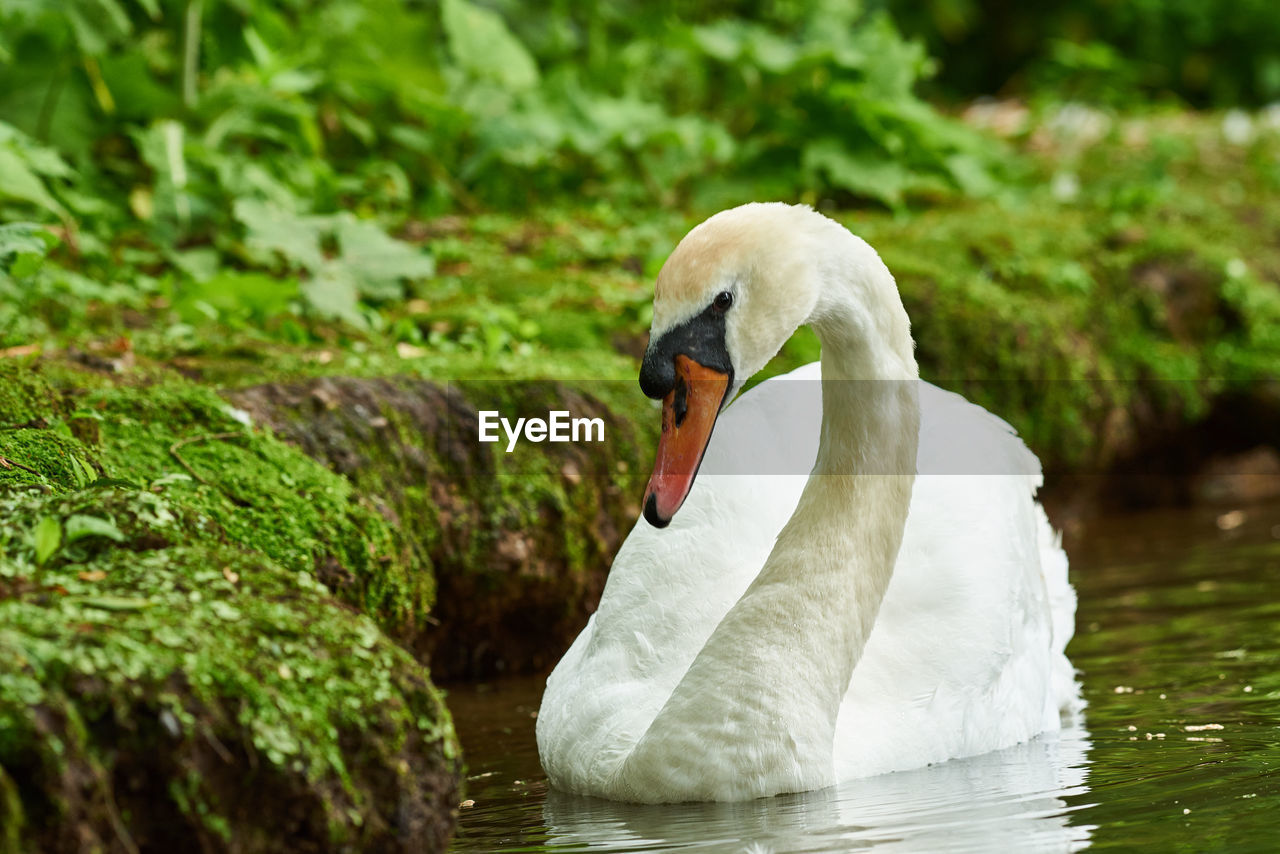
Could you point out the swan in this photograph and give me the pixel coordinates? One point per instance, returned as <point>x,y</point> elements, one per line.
<point>859,579</point>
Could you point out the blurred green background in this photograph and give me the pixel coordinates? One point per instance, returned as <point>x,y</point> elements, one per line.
<point>295,171</point>
<point>1206,53</point>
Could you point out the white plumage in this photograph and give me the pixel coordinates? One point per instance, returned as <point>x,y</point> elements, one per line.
<point>703,677</point>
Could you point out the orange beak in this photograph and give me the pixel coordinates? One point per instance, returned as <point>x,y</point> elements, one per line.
<point>688,413</point>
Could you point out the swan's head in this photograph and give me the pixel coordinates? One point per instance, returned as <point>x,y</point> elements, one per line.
<point>727,299</point>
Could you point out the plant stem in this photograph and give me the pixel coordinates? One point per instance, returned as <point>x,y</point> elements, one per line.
<point>50,103</point>
<point>191,51</point>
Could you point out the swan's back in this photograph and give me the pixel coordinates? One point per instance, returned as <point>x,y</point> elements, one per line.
<point>966,653</point>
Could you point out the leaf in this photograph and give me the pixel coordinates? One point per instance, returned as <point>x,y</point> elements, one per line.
<point>113,483</point>
<point>224,610</point>
<point>262,53</point>
<point>19,181</point>
<point>370,263</point>
<point>295,82</point>
<point>201,263</point>
<point>270,228</point>
<point>237,296</point>
<point>84,472</point>
<point>971,174</point>
<point>79,527</point>
<point>378,261</point>
<point>48,537</point>
<point>485,48</point>
<point>46,162</point>
<point>867,175</point>
<point>28,237</point>
<point>772,53</point>
<point>333,293</point>
<point>721,40</point>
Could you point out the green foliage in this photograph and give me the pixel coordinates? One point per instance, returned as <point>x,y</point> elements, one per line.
<point>185,150</point>
<point>24,238</point>
<point>1206,52</point>
<point>729,103</point>
<point>47,537</point>
<point>484,48</point>
<point>26,169</point>
<point>366,263</point>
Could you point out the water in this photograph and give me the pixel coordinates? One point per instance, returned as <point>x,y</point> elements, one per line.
<point>1178,641</point>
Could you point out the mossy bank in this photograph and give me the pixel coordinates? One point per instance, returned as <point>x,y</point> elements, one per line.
<point>175,672</point>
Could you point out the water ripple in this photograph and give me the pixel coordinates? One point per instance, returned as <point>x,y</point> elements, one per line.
<point>1178,643</point>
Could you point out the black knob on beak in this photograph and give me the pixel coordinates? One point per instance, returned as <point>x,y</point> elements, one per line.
<point>701,338</point>
<point>657,372</point>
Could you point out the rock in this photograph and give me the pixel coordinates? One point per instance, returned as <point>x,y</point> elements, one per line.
<point>1244,478</point>
<point>1188,294</point>
<point>519,546</point>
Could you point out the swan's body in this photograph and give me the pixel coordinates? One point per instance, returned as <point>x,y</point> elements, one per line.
<point>789,632</point>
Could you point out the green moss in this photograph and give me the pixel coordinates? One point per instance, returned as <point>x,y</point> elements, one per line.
<point>517,542</point>
<point>44,457</point>
<point>164,632</point>
<point>261,494</point>
<point>114,632</point>
<point>24,395</point>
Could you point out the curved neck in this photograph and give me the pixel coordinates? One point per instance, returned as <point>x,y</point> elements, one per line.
<point>759,704</point>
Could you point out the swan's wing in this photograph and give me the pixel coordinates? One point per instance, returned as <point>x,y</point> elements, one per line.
<point>962,437</point>
<point>959,437</point>
<point>966,654</point>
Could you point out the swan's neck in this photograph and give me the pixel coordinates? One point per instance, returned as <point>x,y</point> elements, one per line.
<point>759,704</point>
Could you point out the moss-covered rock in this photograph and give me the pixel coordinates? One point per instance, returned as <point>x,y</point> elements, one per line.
<point>519,544</point>
<point>173,670</point>
<point>261,493</point>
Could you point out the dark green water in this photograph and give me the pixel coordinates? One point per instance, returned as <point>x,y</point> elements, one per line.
<point>1178,641</point>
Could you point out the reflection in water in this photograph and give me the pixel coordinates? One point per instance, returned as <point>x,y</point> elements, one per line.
<point>1010,800</point>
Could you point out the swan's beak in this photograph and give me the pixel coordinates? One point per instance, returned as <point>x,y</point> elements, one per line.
<point>688,413</point>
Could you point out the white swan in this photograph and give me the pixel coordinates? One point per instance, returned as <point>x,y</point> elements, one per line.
<point>785,632</point>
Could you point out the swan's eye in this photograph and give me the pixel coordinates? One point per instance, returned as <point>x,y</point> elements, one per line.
<point>723,300</point>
